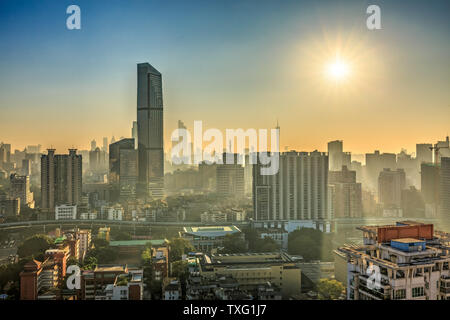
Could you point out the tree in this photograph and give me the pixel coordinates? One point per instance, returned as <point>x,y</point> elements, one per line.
<point>90,263</point>
<point>311,244</point>
<point>100,243</point>
<point>180,270</point>
<point>103,255</point>
<point>146,256</point>
<point>120,235</point>
<point>233,243</point>
<point>266,245</point>
<point>330,289</point>
<point>178,247</point>
<point>34,246</point>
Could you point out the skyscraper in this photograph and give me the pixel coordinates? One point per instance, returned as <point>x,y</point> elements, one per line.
<point>150,131</point>
<point>445,189</point>
<point>390,186</point>
<point>20,188</point>
<point>347,198</point>
<point>61,179</point>
<point>123,167</point>
<point>134,133</point>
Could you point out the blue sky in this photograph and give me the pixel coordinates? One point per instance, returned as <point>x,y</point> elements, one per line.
<point>230,63</point>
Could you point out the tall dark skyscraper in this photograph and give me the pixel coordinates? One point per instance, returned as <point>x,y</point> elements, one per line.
<point>150,131</point>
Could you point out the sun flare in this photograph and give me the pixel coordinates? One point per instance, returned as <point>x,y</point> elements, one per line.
<point>338,70</point>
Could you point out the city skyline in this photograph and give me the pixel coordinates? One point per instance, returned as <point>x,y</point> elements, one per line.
<point>389,101</point>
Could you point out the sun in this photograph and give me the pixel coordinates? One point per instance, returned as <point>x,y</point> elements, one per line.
<point>338,70</point>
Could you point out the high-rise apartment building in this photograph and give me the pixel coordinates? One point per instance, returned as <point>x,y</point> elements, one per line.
<point>390,186</point>
<point>445,189</point>
<point>230,178</point>
<point>347,196</point>
<point>150,131</point>
<point>424,153</point>
<point>61,179</point>
<point>375,163</point>
<point>336,156</point>
<point>406,261</point>
<point>20,188</point>
<point>299,191</point>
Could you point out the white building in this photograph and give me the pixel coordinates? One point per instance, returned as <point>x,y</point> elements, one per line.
<point>88,216</point>
<point>407,261</point>
<point>171,289</point>
<point>66,212</point>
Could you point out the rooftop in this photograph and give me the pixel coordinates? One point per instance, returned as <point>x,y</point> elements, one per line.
<point>126,243</point>
<point>213,231</point>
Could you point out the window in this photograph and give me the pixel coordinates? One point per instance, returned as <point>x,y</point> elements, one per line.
<point>400,294</point>
<point>417,292</point>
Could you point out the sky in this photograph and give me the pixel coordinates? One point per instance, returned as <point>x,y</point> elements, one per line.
<point>230,63</point>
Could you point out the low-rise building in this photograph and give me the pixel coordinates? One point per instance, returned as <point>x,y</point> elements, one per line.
<point>112,283</point>
<point>254,269</point>
<point>171,289</point>
<point>206,238</point>
<point>66,212</point>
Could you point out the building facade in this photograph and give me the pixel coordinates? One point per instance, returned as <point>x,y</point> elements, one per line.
<point>150,131</point>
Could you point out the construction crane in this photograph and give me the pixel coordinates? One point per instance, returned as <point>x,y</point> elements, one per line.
<point>436,152</point>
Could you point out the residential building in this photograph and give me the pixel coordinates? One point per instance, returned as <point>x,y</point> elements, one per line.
<point>406,261</point>
<point>390,186</point>
<point>66,212</point>
<point>299,191</point>
<point>20,188</point>
<point>61,179</point>
<point>171,289</point>
<point>112,283</point>
<point>347,196</point>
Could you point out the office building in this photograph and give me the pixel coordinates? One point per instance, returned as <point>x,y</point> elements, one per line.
<point>150,131</point>
<point>61,179</point>
<point>123,167</point>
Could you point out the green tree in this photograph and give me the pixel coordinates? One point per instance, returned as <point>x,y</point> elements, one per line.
<point>178,247</point>
<point>311,244</point>
<point>180,270</point>
<point>330,289</point>
<point>120,235</point>
<point>90,263</point>
<point>100,243</point>
<point>34,246</point>
<point>233,243</point>
<point>266,245</point>
<point>103,255</point>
